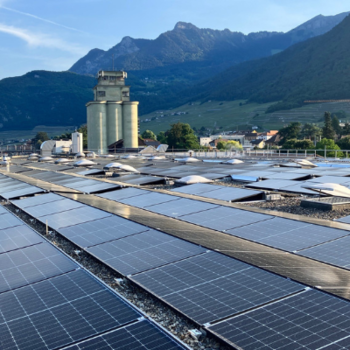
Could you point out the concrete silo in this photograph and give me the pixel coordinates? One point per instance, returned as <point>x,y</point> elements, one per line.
<point>111,116</point>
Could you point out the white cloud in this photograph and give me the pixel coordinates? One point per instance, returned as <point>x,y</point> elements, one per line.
<point>39,18</point>
<point>41,40</point>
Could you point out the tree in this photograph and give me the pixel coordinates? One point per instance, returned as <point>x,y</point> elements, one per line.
<point>83,129</point>
<point>39,138</point>
<point>335,125</point>
<point>298,144</point>
<point>328,131</point>
<point>148,134</point>
<point>162,137</point>
<point>228,145</point>
<point>310,131</point>
<point>346,130</point>
<point>291,131</point>
<point>181,136</point>
<point>328,144</point>
<point>344,143</point>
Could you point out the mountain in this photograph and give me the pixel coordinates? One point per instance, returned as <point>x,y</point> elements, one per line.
<point>316,26</point>
<point>44,98</point>
<point>317,69</point>
<point>214,50</point>
<point>168,72</point>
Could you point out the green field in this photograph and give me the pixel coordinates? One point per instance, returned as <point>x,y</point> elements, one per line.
<point>237,115</point>
<point>29,134</point>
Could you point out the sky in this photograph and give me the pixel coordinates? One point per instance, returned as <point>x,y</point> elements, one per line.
<point>54,34</point>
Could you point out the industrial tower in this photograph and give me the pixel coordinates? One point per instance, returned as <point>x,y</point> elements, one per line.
<point>111,116</point>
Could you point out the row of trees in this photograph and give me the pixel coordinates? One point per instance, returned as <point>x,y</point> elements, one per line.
<point>179,136</point>
<point>331,130</point>
<point>331,136</point>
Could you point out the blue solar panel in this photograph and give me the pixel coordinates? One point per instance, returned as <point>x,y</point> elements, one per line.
<point>59,312</point>
<point>309,320</point>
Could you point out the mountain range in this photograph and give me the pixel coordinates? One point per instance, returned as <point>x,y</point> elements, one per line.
<point>184,64</point>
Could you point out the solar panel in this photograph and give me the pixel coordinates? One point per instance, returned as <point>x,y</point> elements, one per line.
<point>331,179</point>
<point>282,185</point>
<point>309,320</point>
<point>59,312</point>
<point>12,187</point>
<point>32,264</point>
<point>3,210</point>
<point>142,335</point>
<point>273,184</point>
<point>297,188</point>
<point>285,176</point>
<point>23,192</point>
<point>143,251</point>
<point>244,178</point>
<point>288,234</point>
<point>73,217</point>
<point>224,218</point>
<point>180,207</point>
<point>230,194</point>
<point>196,188</point>
<point>18,237</point>
<point>210,176</point>
<point>123,194</point>
<point>9,220</point>
<point>91,172</point>
<point>53,207</point>
<point>84,183</point>
<point>99,231</point>
<point>98,187</point>
<point>345,219</point>
<point>139,179</point>
<point>212,286</point>
<point>37,200</point>
<point>149,199</point>
<point>335,252</point>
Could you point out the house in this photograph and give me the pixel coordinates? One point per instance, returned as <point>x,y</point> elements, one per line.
<point>258,143</point>
<point>274,140</point>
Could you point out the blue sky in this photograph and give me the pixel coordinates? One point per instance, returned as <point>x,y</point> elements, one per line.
<point>54,34</point>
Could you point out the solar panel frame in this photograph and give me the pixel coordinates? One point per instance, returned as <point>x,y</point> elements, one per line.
<point>308,320</point>
<point>18,237</point>
<point>26,191</point>
<point>196,189</point>
<point>181,207</point>
<point>123,194</point>
<point>8,220</point>
<point>286,234</point>
<point>60,311</point>
<point>143,251</point>
<point>37,200</point>
<point>224,218</point>
<point>98,187</point>
<point>102,230</point>
<point>230,194</point>
<point>335,252</point>
<point>149,199</point>
<point>54,207</point>
<point>211,286</point>
<point>142,335</point>
<point>32,264</point>
<point>73,217</point>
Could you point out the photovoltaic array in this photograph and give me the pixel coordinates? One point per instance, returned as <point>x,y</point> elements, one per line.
<point>245,306</point>
<point>48,302</point>
<point>309,320</point>
<point>211,286</point>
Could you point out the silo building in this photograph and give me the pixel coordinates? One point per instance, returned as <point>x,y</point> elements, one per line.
<point>111,116</point>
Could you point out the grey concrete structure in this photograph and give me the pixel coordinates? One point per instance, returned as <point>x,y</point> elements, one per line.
<point>111,116</point>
